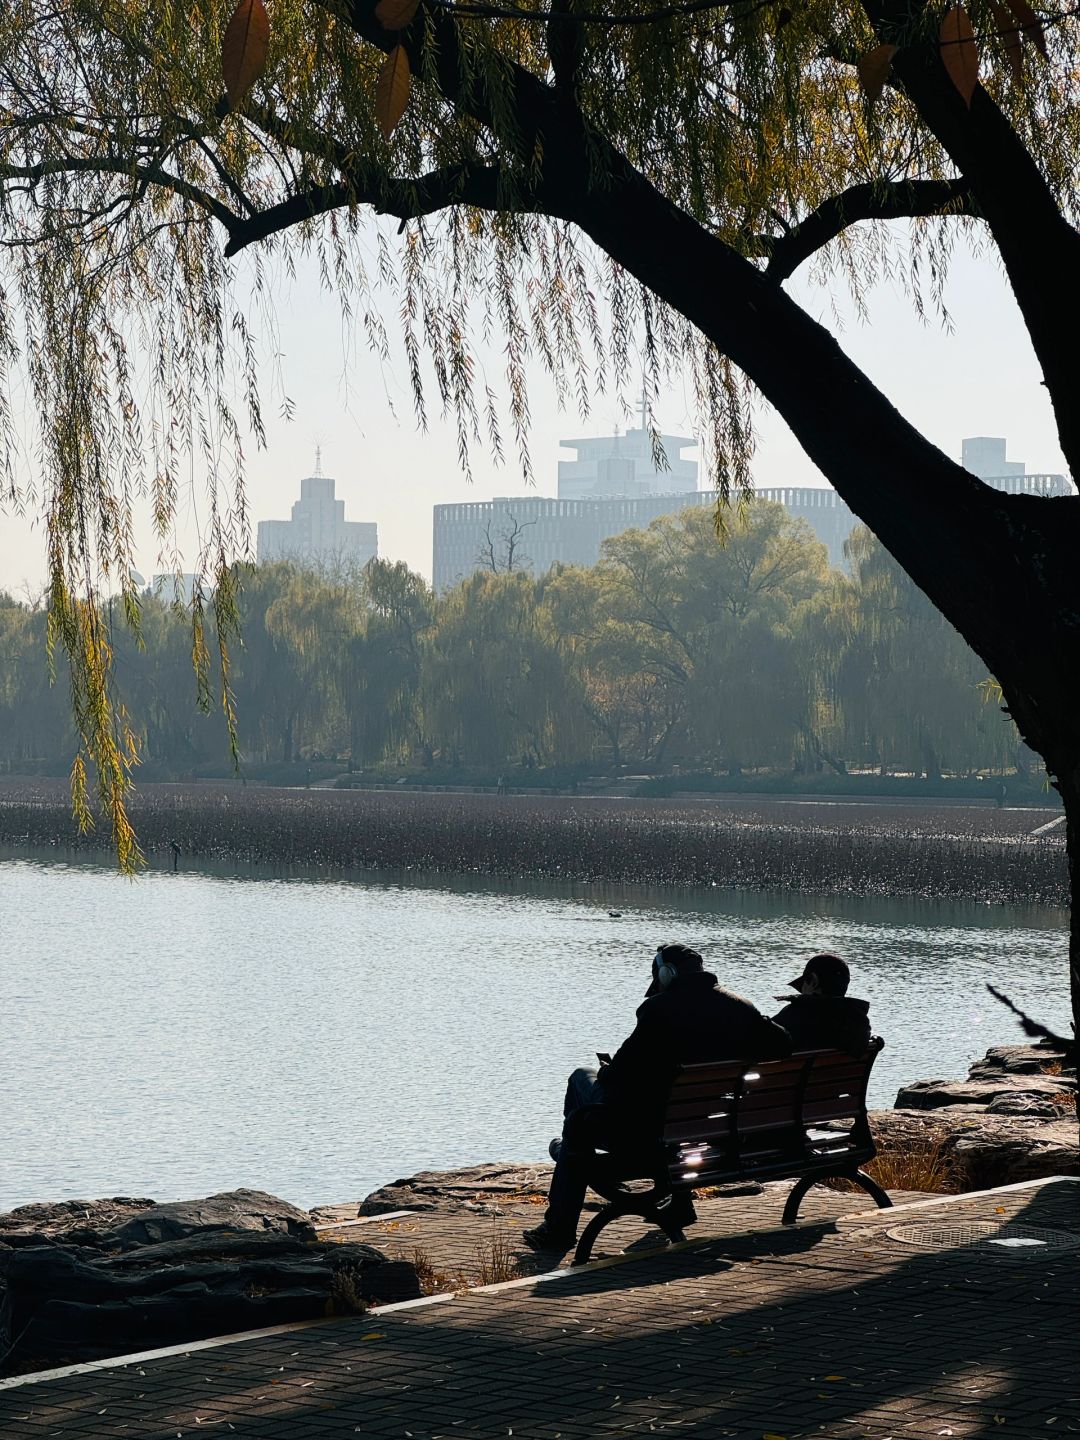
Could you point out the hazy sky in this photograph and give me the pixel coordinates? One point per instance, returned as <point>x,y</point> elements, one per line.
<point>980,380</point>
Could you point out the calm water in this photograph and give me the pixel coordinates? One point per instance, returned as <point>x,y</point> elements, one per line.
<point>189,1033</point>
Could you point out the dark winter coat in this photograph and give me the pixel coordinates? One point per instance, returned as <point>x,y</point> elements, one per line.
<point>827,1022</point>
<point>693,1020</point>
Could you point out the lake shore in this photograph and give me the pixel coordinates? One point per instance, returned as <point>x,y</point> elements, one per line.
<point>929,850</point>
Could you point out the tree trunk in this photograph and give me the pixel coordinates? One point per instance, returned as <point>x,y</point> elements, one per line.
<point>1070,794</point>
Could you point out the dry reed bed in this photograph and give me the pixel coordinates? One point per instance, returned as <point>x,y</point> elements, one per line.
<point>954,852</point>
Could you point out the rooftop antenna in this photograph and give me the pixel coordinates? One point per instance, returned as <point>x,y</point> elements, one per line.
<point>318,460</point>
<point>644,403</point>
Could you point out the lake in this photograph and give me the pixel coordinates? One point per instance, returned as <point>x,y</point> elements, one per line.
<point>317,1037</point>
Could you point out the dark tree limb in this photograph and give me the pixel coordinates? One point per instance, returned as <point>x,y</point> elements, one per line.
<point>1038,245</point>
<point>473,185</point>
<point>871,201</point>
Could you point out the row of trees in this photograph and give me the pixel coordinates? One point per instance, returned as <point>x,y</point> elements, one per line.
<point>672,649</point>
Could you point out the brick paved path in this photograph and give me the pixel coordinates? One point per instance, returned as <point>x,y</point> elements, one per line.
<point>831,1329</point>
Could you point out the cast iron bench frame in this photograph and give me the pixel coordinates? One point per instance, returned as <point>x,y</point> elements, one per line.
<point>745,1121</point>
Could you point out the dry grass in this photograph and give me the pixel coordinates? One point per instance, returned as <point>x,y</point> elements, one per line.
<point>495,1260</point>
<point>345,1292</point>
<point>928,1165</point>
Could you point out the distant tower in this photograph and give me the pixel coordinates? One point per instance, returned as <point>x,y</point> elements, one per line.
<point>318,536</point>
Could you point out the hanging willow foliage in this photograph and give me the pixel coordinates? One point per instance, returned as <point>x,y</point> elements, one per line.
<point>144,143</point>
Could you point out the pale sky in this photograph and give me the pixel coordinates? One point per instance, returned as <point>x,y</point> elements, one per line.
<point>981,379</point>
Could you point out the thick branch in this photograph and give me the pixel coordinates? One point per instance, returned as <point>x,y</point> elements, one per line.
<point>475,185</point>
<point>905,198</point>
<point>107,165</point>
<point>1037,244</point>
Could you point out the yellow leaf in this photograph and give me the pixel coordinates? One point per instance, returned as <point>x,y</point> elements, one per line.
<point>832,1377</point>
<point>874,69</point>
<point>959,52</point>
<point>768,1435</point>
<point>374,1335</point>
<point>243,49</point>
<point>396,14</point>
<point>999,1209</point>
<point>1009,31</point>
<point>392,90</point>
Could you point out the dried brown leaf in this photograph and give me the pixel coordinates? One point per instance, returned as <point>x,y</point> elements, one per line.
<point>959,53</point>
<point>874,68</point>
<point>1009,31</point>
<point>392,90</point>
<point>396,14</point>
<point>1030,24</point>
<point>243,49</point>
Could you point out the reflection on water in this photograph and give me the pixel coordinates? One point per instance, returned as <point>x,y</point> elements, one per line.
<point>315,1037</point>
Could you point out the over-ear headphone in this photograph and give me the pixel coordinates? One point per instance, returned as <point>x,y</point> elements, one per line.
<point>664,972</point>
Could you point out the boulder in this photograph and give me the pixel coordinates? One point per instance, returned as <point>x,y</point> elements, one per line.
<point>475,1187</point>
<point>234,1210</point>
<point>166,1274</point>
<point>985,1150</point>
<point>932,1094</point>
<point>1021,1060</point>
<point>73,1222</point>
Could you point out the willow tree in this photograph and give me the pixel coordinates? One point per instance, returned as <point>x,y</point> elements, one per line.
<point>601,183</point>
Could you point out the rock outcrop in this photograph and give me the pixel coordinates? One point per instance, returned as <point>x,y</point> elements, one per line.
<point>87,1280</point>
<point>475,1187</point>
<point>1012,1119</point>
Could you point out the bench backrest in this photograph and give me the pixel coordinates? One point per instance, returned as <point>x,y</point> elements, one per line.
<point>740,1116</point>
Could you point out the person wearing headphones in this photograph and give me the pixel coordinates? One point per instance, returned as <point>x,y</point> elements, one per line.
<point>686,1018</point>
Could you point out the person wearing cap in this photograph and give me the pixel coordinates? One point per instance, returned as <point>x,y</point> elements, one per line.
<point>686,1017</point>
<point>823,1016</point>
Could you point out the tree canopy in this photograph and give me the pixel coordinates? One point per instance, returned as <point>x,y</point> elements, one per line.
<point>672,653</point>
<point>597,185</point>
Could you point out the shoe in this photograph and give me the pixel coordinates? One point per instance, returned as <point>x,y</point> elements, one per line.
<point>544,1238</point>
<point>555,1148</point>
<point>681,1210</point>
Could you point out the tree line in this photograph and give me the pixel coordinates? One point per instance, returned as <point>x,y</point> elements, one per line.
<point>672,650</point>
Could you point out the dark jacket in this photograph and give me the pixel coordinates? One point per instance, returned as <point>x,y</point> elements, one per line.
<point>692,1020</point>
<point>827,1022</point>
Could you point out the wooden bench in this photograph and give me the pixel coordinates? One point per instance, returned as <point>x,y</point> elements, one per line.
<point>739,1122</point>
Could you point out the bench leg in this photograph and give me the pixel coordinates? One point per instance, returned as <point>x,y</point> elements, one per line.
<point>797,1196</point>
<point>872,1188</point>
<point>603,1217</point>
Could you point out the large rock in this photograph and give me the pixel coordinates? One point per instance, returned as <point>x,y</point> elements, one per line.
<point>933,1094</point>
<point>475,1187</point>
<point>120,1224</point>
<point>73,1222</point>
<point>146,1275</point>
<point>984,1150</point>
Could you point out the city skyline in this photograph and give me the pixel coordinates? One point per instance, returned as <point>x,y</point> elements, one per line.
<point>979,377</point>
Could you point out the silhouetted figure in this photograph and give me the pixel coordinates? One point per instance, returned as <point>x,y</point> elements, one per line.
<point>686,1018</point>
<point>822,1016</point>
<point>175,854</point>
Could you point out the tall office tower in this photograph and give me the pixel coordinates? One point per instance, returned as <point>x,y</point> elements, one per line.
<point>318,535</point>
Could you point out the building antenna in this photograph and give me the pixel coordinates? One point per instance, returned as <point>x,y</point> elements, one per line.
<point>318,460</point>
<point>644,403</point>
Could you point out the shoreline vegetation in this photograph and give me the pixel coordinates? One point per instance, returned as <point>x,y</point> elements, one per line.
<point>808,846</point>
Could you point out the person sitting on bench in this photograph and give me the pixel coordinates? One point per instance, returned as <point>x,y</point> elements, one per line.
<point>823,1016</point>
<point>686,1018</point>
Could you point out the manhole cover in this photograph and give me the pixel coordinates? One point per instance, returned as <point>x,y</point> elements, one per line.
<point>987,1238</point>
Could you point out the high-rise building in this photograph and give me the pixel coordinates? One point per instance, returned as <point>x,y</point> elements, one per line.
<point>532,532</point>
<point>318,535</point>
<point>984,456</point>
<point>625,465</point>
